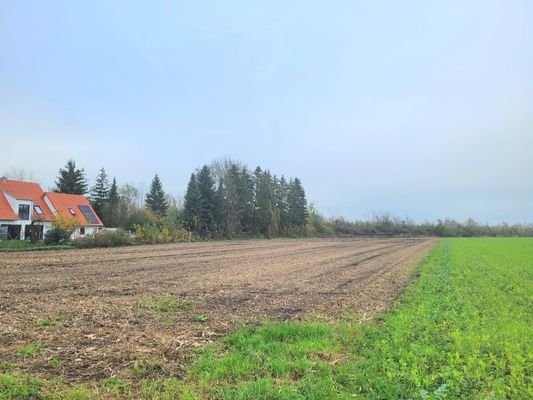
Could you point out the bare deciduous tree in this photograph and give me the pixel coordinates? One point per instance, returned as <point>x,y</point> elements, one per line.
<point>19,174</point>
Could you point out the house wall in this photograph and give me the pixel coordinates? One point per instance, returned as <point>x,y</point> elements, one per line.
<point>14,203</point>
<point>22,223</point>
<point>89,230</point>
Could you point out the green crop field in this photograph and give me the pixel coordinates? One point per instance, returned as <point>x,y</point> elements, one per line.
<point>462,330</point>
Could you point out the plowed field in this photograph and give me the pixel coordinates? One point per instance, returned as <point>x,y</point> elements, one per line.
<point>95,313</point>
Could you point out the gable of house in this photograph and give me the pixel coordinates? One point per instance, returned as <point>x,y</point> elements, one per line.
<point>23,191</point>
<point>75,206</point>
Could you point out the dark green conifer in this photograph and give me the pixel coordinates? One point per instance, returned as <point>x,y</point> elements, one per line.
<point>112,208</point>
<point>100,193</point>
<point>206,205</point>
<point>297,205</point>
<point>155,199</point>
<point>191,213</point>
<point>71,180</point>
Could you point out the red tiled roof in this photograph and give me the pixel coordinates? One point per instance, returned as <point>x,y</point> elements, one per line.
<point>6,212</point>
<point>62,202</point>
<point>24,191</point>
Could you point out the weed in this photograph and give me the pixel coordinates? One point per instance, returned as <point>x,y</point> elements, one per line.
<point>31,350</point>
<point>164,304</point>
<point>46,323</point>
<point>201,318</point>
<point>147,368</point>
<point>54,362</point>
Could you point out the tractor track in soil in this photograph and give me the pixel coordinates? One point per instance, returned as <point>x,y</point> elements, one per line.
<point>100,331</point>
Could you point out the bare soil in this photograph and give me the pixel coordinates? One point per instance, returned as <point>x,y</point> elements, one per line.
<point>86,309</point>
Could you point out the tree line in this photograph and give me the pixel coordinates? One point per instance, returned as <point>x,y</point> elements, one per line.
<point>222,200</point>
<point>387,225</point>
<point>227,200</point>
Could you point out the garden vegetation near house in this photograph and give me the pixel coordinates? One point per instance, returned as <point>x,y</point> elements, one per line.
<point>460,331</point>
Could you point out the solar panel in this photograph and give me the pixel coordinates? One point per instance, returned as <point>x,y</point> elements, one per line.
<point>89,214</point>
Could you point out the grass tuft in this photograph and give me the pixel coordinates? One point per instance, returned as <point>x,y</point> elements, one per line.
<point>31,350</point>
<point>164,304</point>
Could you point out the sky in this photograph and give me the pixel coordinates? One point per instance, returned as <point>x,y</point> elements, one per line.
<point>417,108</point>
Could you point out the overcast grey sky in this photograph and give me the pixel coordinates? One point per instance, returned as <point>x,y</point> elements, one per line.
<point>419,108</point>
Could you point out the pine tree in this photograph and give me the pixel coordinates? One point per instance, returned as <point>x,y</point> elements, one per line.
<point>191,213</point>
<point>206,202</point>
<point>282,204</point>
<point>297,205</point>
<point>232,202</point>
<point>264,214</point>
<point>100,193</point>
<point>112,207</point>
<point>155,199</point>
<point>71,180</point>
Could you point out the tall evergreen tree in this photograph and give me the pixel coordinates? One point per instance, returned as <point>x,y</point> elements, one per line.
<point>283,204</point>
<point>232,201</point>
<point>71,180</point>
<point>207,202</point>
<point>191,207</point>
<point>112,207</point>
<point>245,202</point>
<point>264,213</point>
<point>155,199</point>
<point>100,192</point>
<point>297,205</point>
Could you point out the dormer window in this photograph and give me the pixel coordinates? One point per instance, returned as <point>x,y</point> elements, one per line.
<point>38,210</point>
<point>71,210</point>
<point>24,212</point>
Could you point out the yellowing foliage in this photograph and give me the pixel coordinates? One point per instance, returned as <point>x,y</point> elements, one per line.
<point>65,223</point>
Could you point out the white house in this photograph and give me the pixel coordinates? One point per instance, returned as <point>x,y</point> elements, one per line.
<point>26,209</point>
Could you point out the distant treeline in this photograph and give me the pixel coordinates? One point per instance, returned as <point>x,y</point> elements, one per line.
<point>387,225</point>
<point>227,200</point>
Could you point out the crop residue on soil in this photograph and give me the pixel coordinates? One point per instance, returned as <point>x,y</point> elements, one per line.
<point>95,313</point>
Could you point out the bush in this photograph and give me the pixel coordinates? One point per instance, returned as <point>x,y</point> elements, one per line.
<point>105,238</point>
<point>64,223</point>
<point>55,236</point>
<point>151,234</point>
<point>141,216</point>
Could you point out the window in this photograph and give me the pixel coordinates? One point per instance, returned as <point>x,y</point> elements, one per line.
<point>72,211</point>
<point>82,230</point>
<point>38,210</point>
<point>24,211</point>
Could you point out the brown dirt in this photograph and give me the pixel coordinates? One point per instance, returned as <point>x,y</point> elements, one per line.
<point>93,296</point>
